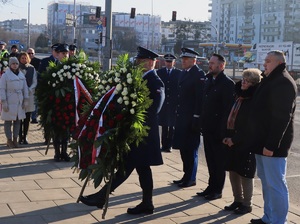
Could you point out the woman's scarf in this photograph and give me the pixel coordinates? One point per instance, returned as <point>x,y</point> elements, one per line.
<point>234,112</point>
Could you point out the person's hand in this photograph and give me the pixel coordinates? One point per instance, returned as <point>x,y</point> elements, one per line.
<point>5,106</point>
<point>229,142</point>
<point>25,104</point>
<point>267,152</point>
<point>224,141</point>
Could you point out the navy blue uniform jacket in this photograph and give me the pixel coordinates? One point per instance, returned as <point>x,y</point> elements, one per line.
<point>190,93</point>
<point>148,152</point>
<point>167,114</point>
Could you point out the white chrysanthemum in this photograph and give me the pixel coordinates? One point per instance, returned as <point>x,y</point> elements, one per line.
<point>77,73</point>
<point>116,91</point>
<point>103,91</point>
<point>120,100</point>
<point>117,74</point>
<point>104,81</point>
<point>73,64</point>
<point>101,87</point>
<point>65,67</point>
<point>57,81</point>
<point>49,83</point>
<point>5,63</point>
<point>123,70</point>
<point>58,73</point>
<point>53,75</point>
<point>126,102</point>
<point>133,95</point>
<point>61,79</point>
<point>83,66</point>
<point>107,88</point>
<point>69,73</point>
<point>73,77</point>
<point>53,85</point>
<point>81,71</point>
<point>128,76</point>
<point>110,80</point>
<point>119,87</point>
<point>69,76</point>
<point>129,80</point>
<point>61,70</point>
<point>125,98</point>
<point>124,93</point>
<point>64,74</point>
<point>117,79</point>
<point>133,103</point>
<point>73,70</point>
<point>132,111</point>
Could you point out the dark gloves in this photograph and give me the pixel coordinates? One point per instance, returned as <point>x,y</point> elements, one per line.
<point>196,124</point>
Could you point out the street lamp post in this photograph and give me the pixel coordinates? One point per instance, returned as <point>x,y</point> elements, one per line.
<point>74,25</point>
<point>28,26</point>
<point>217,48</point>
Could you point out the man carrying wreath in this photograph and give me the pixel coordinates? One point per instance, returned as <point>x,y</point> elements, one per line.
<point>148,152</point>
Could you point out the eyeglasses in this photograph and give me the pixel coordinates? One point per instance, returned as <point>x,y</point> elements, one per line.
<point>246,80</point>
<point>30,53</point>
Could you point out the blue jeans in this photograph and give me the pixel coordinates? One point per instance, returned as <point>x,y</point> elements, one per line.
<point>272,172</point>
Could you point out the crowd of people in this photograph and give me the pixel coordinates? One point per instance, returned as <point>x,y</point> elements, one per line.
<point>246,126</point>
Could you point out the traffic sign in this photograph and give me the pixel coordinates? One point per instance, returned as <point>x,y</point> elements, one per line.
<point>100,28</point>
<point>14,41</point>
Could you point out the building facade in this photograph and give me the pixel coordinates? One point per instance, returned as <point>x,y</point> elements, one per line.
<point>255,21</point>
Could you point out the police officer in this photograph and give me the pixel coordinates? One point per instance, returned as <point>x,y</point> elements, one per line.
<point>72,50</point>
<point>169,75</point>
<point>187,126</point>
<point>147,153</point>
<point>3,52</point>
<point>45,61</point>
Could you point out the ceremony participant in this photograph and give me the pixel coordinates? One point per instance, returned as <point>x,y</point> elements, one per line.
<point>14,98</point>
<point>3,52</point>
<point>14,51</point>
<point>36,63</point>
<point>272,132</point>
<point>169,75</point>
<point>72,50</point>
<point>148,153</point>
<point>43,66</point>
<point>188,111</point>
<point>217,102</point>
<point>241,162</point>
<point>31,79</point>
<point>60,143</point>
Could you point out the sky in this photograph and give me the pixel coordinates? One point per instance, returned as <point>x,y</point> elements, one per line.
<point>196,10</point>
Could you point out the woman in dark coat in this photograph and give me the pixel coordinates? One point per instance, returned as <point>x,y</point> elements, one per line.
<point>240,162</point>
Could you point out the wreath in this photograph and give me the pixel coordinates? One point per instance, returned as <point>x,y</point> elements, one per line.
<point>60,101</point>
<point>108,127</point>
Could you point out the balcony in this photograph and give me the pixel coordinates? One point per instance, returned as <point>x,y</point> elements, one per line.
<point>248,34</point>
<point>247,27</point>
<point>270,33</point>
<point>270,18</point>
<point>270,26</point>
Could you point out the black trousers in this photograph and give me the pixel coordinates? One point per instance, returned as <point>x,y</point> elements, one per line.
<point>215,158</point>
<point>24,126</point>
<point>145,179</point>
<point>167,133</point>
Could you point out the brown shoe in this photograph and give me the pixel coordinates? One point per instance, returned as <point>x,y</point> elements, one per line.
<point>15,142</point>
<point>10,143</point>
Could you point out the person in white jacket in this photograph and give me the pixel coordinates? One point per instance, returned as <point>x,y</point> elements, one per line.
<point>14,99</point>
<point>31,79</point>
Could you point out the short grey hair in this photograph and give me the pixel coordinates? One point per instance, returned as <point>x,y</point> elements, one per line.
<point>253,75</point>
<point>278,54</point>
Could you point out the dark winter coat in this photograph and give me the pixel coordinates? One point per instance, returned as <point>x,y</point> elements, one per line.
<point>217,102</point>
<point>167,113</point>
<point>148,152</point>
<point>272,113</point>
<point>238,158</point>
<point>190,94</point>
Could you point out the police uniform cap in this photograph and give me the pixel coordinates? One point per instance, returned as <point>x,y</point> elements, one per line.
<point>54,46</point>
<point>14,46</point>
<point>72,47</point>
<point>144,53</point>
<point>2,42</point>
<point>62,48</point>
<point>169,57</point>
<point>189,53</point>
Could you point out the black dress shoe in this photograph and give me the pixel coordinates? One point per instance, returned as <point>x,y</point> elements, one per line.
<point>187,184</point>
<point>233,206</point>
<point>141,209</point>
<point>213,196</point>
<point>92,201</point>
<point>25,142</point>
<point>168,150</point>
<point>34,121</point>
<point>177,181</point>
<point>204,193</point>
<point>257,221</point>
<point>243,210</point>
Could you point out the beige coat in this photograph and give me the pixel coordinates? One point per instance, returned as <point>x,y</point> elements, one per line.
<point>14,90</point>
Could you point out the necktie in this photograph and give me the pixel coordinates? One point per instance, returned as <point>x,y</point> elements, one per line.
<point>168,72</point>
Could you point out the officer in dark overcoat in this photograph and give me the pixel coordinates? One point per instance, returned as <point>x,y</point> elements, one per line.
<point>169,75</point>
<point>147,153</point>
<point>187,126</point>
<point>217,102</point>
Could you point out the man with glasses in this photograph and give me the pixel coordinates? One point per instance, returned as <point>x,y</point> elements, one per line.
<point>35,62</point>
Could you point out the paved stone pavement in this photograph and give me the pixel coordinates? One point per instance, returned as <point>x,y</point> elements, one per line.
<point>36,190</point>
